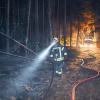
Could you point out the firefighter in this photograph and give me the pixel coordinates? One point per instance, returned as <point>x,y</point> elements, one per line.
<point>58,54</point>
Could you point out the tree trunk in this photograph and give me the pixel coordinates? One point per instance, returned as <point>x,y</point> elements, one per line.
<point>36,25</point>
<point>65,25</point>
<point>70,25</point>
<point>58,21</point>
<point>43,25</point>
<point>77,41</point>
<point>28,25</point>
<point>70,32</point>
<point>7,28</point>
<point>50,23</point>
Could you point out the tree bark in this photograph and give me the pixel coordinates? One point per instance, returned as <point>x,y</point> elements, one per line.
<point>28,26</point>
<point>7,28</point>
<point>70,25</point>
<point>77,41</point>
<point>37,25</point>
<point>58,21</point>
<point>65,25</point>
<point>43,36</point>
<point>50,23</point>
<point>70,33</point>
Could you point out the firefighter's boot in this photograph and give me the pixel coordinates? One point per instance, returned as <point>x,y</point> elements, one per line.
<point>59,72</point>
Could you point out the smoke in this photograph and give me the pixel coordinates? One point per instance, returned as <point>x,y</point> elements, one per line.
<point>29,72</point>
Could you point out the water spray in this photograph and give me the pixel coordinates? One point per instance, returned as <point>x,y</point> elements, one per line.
<point>29,72</point>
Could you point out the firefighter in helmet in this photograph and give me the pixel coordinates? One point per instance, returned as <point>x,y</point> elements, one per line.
<point>58,54</point>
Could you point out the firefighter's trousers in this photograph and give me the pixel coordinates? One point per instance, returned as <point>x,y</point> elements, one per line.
<point>58,65</point>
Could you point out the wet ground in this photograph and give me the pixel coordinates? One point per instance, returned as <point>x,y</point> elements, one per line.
<point>89,90</point>
<point>38,86</point>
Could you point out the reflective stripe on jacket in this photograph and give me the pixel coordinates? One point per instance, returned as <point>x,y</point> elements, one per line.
<point>59,59</point>
<point>58,53</point>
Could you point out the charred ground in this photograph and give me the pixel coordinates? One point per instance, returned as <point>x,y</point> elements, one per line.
<point>42,86</point>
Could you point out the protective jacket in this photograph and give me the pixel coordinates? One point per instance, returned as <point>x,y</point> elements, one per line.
<point>58,53</point>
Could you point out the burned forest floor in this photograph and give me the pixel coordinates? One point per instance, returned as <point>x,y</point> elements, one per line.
<point>43,84</point>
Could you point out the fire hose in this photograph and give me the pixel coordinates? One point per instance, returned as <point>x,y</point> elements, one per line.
<point>78,83</point>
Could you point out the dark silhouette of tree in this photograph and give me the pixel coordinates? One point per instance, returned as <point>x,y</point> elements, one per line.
<point>8,10</point>
<point>28,25</point>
